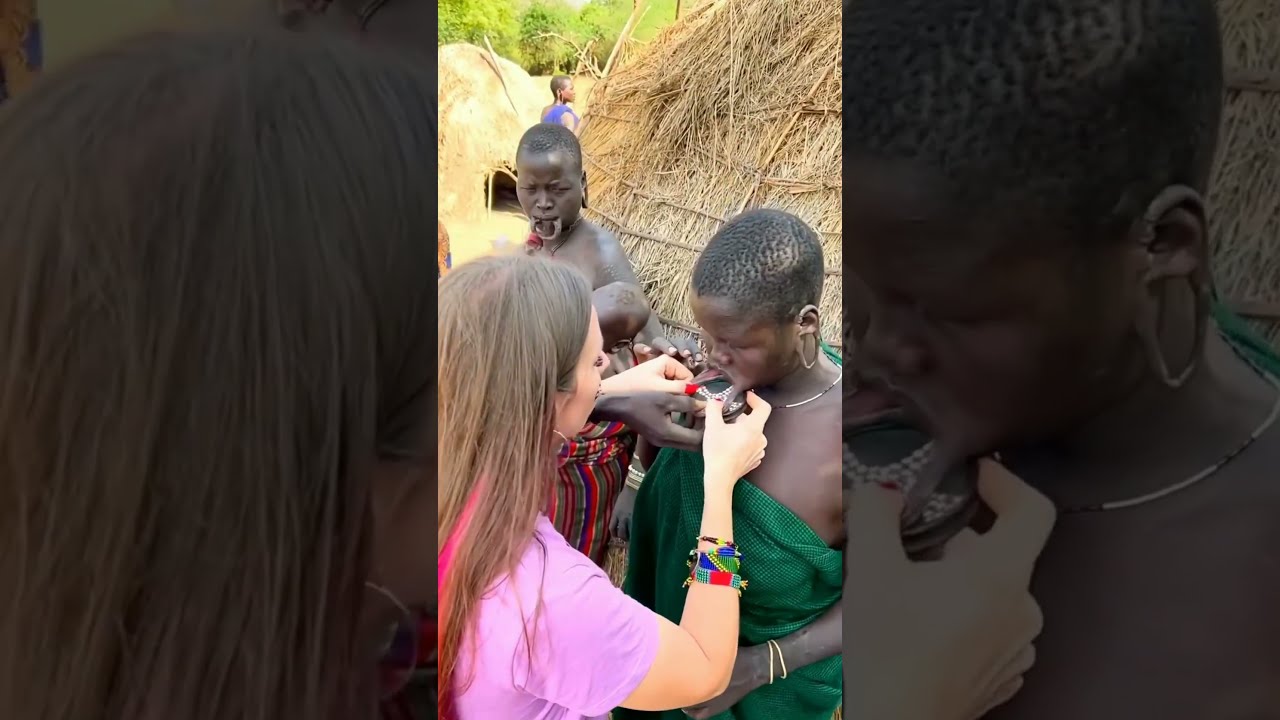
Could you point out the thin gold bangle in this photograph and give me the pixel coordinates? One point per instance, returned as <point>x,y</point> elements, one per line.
<point>770,647</point>
<point>773,644</point>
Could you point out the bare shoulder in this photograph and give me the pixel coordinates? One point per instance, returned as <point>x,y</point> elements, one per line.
<point>810,437</point>
<point>614,264</point>
<point>606,243</point>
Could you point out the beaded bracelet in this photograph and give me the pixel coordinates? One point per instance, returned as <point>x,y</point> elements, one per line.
<point>723,559</point>
<point>717,567</point>
<point>725,579</point>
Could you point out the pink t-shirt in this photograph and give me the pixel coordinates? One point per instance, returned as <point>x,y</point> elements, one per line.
<point>592,645</point>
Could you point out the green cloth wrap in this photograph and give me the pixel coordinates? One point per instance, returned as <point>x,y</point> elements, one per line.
<point>792,576</point>
<point>1248,343</point>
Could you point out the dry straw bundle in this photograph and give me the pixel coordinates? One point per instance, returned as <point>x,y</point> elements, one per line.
<point>481,122</point>
<point>736,106</point>
<point>1245,198</point>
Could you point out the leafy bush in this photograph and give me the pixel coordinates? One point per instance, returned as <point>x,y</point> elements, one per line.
<point>542,52</point>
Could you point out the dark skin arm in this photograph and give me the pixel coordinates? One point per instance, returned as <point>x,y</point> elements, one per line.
<point>625,505</point>
<point>813,643</point>
<point>645,453</point>
<point>649,415</point>
<point>616,267</point>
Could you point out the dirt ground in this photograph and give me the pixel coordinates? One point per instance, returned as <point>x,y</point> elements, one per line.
<point>469,240</point>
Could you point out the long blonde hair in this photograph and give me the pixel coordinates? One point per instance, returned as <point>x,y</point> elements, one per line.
<point>215,319</point>
<point>511,330</point>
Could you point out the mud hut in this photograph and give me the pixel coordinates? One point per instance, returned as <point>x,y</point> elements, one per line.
<point>1244,203</point>
<point>693,130</point>
<point>486,104</point>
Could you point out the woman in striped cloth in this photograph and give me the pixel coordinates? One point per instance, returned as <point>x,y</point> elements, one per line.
<point>595,461</point>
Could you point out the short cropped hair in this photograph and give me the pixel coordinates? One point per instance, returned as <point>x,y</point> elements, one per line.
<point>550,137</point>
<point>767,262</point>
<point>1078,109</point>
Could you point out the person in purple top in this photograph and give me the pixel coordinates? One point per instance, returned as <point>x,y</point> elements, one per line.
<point>559,111</point>
<point>530,628</point>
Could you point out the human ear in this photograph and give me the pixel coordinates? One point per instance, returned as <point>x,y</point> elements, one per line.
<point>1174,237</point>
<point>807,320</point>
<point>1172,300</point>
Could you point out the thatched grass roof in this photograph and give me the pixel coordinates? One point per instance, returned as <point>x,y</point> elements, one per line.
<point>735,106</point>
<point>479,126</point>
<point>1244,204</point>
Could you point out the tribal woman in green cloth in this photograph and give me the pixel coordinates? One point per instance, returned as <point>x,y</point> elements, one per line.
<point>755,292</point>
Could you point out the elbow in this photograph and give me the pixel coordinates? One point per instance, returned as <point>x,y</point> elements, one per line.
<point>709,689</point>
<point>718,680</point>
<point>721,684</point>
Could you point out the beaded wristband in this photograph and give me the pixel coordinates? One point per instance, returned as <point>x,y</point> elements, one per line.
<point>724,579</point>
<point>724,559</point>
<point>635,476</point>
<point>720,566</point>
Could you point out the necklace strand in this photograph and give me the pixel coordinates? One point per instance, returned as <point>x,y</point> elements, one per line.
<point>815,397</point>
<point>1258,432</point>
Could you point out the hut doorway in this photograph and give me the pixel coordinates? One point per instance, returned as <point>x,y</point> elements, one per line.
<point>500,191</point>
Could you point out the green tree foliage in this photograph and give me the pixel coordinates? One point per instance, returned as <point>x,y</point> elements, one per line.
<point>547,27</point>
<point>610,16</point>
<point>525,30</point>
<point>471,21</point>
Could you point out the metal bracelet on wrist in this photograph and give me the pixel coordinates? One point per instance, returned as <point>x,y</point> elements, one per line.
<point>635,476</point>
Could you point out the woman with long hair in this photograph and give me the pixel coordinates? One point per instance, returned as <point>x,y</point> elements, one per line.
<point>530,627</point>
<point>216,384</point>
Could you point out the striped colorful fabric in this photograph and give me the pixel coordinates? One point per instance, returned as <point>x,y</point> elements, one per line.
<point>594,466</point>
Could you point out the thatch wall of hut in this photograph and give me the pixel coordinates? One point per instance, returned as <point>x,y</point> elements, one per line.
<point>696,128</point>
<point>1244,201</point>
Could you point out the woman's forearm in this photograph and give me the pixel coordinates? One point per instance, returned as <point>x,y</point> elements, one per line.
<point>711,612</point>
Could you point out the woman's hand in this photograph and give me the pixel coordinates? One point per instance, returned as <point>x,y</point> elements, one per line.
<point>623,508</point>
<point>943,640</point>
<point>661,374</point>
<point>731,450</point>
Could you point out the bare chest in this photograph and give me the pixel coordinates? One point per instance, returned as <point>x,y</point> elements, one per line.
<point>801,471</point>
<point>1165,611</point>
<point>581,252</point>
